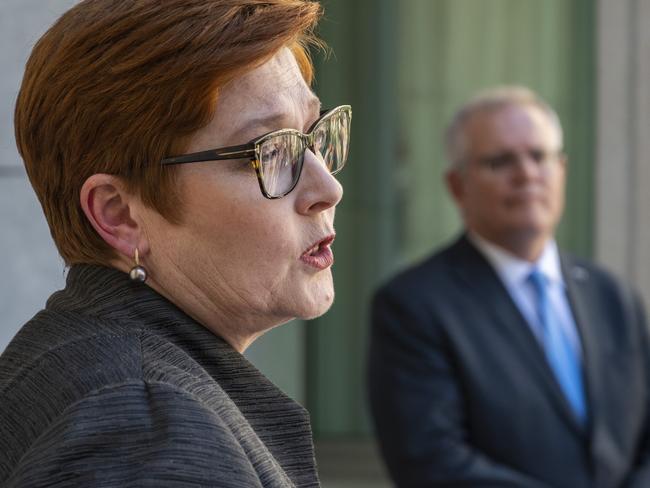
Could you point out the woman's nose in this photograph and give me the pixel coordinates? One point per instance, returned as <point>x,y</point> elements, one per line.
<point>317,189</point>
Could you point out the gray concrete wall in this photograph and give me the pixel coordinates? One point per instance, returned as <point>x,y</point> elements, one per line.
<point>32,268</point>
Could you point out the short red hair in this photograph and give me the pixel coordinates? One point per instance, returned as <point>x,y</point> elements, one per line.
<point>114,86</point>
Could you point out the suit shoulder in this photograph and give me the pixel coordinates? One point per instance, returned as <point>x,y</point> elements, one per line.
<point>430,273</point>
<point>603,287</point>
<point>582,269</point>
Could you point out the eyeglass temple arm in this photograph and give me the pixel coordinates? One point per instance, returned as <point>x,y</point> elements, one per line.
<point>231,152</point>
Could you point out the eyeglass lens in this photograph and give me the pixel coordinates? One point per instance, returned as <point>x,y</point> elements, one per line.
<point>281,156</point>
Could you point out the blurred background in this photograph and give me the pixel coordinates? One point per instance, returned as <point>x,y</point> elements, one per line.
<point>405,66</point>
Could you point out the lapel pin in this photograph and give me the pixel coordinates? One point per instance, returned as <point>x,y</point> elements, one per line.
<point>579,273</point>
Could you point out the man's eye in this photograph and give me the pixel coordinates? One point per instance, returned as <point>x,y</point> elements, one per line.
<point>501,161</point>
<point>538,156</point>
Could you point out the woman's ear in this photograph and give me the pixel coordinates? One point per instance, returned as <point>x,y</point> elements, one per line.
<point>113,213</point>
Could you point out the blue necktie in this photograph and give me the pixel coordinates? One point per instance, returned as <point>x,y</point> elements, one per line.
<point>562,358</point>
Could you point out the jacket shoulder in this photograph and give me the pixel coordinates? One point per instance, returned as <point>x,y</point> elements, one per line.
<point>430,274</point>
<point>60,338</point>
<point>584,270</point>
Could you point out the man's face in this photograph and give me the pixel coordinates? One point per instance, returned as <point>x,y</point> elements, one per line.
<point>511,187</point>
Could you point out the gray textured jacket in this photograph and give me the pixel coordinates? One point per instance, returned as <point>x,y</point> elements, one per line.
<point>112,385</point>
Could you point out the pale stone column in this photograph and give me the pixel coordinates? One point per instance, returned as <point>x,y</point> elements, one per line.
<point>622,213</point>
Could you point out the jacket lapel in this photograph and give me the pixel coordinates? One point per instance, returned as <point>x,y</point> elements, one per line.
<point>577,281</point>
<point>489,292</point>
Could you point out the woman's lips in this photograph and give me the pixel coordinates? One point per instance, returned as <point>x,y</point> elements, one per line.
<point>320,255</point>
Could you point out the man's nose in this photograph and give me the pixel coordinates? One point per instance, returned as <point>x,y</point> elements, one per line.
<point>527,167</point>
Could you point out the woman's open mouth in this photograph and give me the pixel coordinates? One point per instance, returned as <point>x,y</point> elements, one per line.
<point>320,255</point>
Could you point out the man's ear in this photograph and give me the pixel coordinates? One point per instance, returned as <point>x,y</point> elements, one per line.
<point>455,184</point>
<point>113,213</point>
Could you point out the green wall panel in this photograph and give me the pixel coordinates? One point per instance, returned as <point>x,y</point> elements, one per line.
<point>405,66</point>
<point>546,45</point>
<point>280,354</point>
<point>361,72</point>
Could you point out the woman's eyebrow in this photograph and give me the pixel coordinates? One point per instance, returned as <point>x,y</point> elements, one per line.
<point>258,126</point>
<point>274,120</point>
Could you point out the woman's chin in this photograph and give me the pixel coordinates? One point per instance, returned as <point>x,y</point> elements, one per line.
<point>318,306</point>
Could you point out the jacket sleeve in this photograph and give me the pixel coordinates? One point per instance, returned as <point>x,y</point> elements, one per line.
<point>136,434</point>
<point>416,399</point>
<point>640,474</point>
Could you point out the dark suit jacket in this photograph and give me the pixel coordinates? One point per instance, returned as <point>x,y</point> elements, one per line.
<point>112,385</point>
<point>462,395</point>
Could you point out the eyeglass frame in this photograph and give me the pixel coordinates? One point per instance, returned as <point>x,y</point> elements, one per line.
<point>251,150</point>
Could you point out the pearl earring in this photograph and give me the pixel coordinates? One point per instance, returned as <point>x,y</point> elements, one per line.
<point>138,273</point>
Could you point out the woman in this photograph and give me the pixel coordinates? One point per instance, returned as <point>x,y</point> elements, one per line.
<point>144,126</point>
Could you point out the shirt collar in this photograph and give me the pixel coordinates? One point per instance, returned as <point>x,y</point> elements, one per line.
<point>514,270</point>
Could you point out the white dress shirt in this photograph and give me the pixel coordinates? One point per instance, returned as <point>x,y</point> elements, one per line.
<point>514,273</point>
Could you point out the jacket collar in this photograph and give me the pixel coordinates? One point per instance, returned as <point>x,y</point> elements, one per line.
<point>108,294</point>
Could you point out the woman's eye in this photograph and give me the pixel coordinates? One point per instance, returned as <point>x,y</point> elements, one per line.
<point>319,140</point>
<point>270,153</point>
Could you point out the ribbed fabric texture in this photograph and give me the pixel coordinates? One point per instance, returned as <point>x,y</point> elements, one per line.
<point>112,385</point>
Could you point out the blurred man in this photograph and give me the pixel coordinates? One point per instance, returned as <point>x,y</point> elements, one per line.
<point>500,361</point>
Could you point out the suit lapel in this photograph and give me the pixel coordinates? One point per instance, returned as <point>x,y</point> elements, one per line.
<point>479,277</point>
<point>577,281</point>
